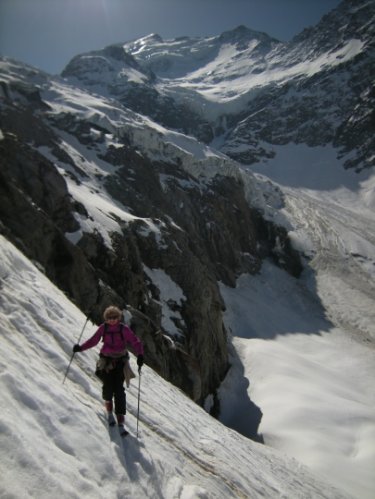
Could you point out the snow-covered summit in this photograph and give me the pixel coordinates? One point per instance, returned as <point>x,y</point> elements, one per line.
<point>245,91</point>
<point>179,57</point>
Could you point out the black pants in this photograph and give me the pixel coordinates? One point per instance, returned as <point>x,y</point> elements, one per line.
<point>113,386</point>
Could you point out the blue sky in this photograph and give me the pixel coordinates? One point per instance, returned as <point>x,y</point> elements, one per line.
<point>48,33</point>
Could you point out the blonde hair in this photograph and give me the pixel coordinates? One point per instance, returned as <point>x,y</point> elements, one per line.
<point>111,312</point>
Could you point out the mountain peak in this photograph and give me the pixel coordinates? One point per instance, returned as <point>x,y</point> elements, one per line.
<point>243,33</point>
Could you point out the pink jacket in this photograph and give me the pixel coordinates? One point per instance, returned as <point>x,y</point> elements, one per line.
<point>114,341</point>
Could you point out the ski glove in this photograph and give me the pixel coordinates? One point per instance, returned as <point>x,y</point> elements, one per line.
<point>76,348</point>
<point>140,360</point>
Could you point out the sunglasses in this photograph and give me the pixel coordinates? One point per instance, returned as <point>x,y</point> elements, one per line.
<point>113,318</point>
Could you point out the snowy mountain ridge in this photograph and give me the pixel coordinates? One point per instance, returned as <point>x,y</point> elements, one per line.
<point>246,91</point>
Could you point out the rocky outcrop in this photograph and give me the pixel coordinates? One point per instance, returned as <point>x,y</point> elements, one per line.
<point>35,212</point>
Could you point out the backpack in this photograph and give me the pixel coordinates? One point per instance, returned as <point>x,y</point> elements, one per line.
<point>105,364</point>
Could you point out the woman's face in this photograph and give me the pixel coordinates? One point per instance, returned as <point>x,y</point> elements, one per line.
<point>113,319</point>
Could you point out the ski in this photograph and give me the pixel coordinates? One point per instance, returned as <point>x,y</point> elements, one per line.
<point>112,423</point>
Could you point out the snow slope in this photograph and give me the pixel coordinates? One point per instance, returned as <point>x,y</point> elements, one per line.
<point>306,346</point>
<point>54,440</point>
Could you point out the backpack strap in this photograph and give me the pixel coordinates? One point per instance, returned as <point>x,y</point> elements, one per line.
<point>121,331</point>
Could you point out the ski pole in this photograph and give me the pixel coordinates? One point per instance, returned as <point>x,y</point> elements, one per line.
<point>71,358</point>
<point>139,395</point>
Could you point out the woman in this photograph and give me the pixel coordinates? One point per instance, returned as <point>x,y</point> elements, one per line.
<point>113,359</point>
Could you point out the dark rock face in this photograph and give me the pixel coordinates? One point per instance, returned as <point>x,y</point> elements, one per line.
<point>36,210</point>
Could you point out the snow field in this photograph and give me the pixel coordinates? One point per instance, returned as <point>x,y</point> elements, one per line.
<point>314,388</point>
